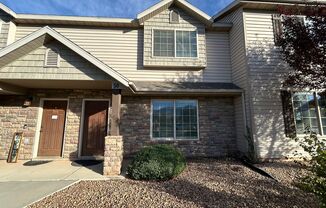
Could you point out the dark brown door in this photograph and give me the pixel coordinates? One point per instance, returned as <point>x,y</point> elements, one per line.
<point>95,127</point>
<point>52,128</point>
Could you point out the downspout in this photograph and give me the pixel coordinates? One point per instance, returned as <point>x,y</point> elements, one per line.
<point>244,110</point>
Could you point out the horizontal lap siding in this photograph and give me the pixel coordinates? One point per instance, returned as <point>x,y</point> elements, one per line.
<point>266,70</point>
<point>239,72</point>
<point>122,49</point>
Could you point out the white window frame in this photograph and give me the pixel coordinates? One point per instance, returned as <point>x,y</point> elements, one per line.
<point>175,43</point>
<point>318,115</point>
<point>46,57</point>
<point>174,122</point>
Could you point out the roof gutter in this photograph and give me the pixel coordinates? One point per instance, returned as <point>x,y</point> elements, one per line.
<point>135,90</point>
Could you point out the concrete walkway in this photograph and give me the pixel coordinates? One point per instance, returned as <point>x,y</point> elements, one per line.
<point>22,185</point>
<point>52,171</point>
<point>20,194</point>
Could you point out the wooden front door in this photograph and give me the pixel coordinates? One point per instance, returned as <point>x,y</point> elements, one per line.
<point>52,128</point>
<point>95,127</point>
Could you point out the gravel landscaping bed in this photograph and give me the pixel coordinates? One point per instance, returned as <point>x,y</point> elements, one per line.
<point>205,183</point>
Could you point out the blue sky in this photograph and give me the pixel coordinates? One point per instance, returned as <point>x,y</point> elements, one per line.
<point>100,8</point>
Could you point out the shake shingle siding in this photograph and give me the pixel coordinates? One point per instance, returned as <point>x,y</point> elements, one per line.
<point>4,21</point>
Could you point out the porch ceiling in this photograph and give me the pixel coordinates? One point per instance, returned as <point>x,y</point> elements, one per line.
<point>51,84</point>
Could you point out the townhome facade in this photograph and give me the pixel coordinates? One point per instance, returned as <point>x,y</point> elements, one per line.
<point>94,88</point>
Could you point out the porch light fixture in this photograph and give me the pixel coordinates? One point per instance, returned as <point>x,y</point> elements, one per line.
<point>28,101</point>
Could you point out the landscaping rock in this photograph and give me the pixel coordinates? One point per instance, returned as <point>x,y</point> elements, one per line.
<point>204,183</point>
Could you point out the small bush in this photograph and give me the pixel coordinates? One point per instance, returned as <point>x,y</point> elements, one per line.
<point>158,162</point>
<point>315,181</point>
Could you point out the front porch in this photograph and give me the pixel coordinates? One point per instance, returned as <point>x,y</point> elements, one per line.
<point>78,133</point>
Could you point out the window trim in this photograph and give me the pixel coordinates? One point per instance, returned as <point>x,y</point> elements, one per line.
<point>280,18</point>
<point>46,58</point>
<point>318,115</point>
<point>175,45</point>
<point>174,122</point>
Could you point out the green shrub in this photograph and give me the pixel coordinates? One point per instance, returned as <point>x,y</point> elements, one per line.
<point>158,162</point>
<point>315,181</point>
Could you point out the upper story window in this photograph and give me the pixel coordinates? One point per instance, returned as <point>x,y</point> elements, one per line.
<point>278,27</point>
<point>175,43</point>
<point>52,58</point>
<point>164,43</point>
<point>174,17</point>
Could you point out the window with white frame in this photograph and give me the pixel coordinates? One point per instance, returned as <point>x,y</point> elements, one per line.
<point>186,43</point>
<point>174,43</point>
<point>309,112</point>
<point>164,43</point>
<point>174,119</point>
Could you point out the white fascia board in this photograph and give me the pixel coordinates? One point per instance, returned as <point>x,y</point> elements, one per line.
<point>194,9</point>
<point>73,18</point>
<point>226,9</point>
<point>153,8</point>
<point>47,30</point>
<point>270,2</point>
<point>7,10</point>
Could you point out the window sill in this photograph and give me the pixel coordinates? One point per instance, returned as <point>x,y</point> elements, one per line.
<point>174,66</point>
<point>172,140</point>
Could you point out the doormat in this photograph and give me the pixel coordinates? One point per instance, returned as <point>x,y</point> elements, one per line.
<point>86,162</point>
<point>34,163</point>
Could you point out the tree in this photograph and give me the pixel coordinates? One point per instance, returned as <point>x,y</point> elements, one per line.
<point>303,46</point>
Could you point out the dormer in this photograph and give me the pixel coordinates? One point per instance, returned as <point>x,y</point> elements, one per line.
<point>174,35</point>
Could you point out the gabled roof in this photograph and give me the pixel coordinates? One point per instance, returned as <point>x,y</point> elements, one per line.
<point>165,4</point>
<point>37,38</point>
<point>113,22</point>
<point>260,4</point>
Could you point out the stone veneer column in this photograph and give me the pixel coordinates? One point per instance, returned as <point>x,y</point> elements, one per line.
<point>113,155</point>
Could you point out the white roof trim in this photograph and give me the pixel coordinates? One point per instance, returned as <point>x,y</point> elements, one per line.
<point>47,30</point>
<point>73,18</point>
<point>153,8</point>
<point>195,9</point>
<point>8,10</point>
<point>182,2</point>
<point>237,3</point>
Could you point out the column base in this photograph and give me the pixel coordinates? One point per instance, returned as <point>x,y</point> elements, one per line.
<point>113,155</point>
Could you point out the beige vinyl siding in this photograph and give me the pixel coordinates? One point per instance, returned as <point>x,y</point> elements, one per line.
<point>267,70</point>
<point>162,21</point>
<point>71,67</point>
<point>4,21</point>
<point>239,73</point>
<point>218,56</point>
<point>122,49</point>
